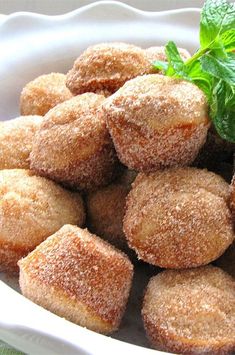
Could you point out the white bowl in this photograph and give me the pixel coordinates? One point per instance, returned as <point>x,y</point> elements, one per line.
<point>32,45</point>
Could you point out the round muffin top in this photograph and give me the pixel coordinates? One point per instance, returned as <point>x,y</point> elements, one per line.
<point>106,66</point>
<point>16,140</point>
<point>191,310</point>
<point>33,207</point>
<point>43,93</point>
<point>71,131</point>
<point>159,103</point>
<point>179,218</point>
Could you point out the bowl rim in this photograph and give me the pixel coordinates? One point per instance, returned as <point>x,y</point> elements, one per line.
<point>5,18</point>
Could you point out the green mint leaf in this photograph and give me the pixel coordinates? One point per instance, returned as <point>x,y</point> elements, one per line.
<point>160,65</point>
<point>223,110</point>
<point>205,86</point>
<point>228,40</point>
<point>217,17</point>
<point>220,68</point>
<point>218,95</point>
<point>195,71</point>
<point>175,62</point>
<point>200,78</point>
<point>230,99</point>
<point>225,125</point>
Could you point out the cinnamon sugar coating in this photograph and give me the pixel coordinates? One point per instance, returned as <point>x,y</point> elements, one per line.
<point>191,311</point>
<point>31,209</point>
<point>106,66</point>
<point>178,218</point>
<point>105,212</point>
<point>73,145</point>
<point>80,277</point>
<point>156,122</point>
<point>43,93</point>
<point>16,139</point>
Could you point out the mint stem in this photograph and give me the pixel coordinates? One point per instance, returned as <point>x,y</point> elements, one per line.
<point>197,55</point>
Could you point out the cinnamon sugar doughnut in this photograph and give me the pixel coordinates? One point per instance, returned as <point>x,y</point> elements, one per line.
<point>106,66</point>
<point>105,212</point>
<point>73,145</point>
<point>31,209</point>
<point>79,277</point>
<point>191,311</point>
<point>43,93</point>
<point>178,218</point>
<point>16,138</point>
<point>157,122</point>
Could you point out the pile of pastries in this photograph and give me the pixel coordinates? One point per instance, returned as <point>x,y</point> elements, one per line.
<point>107,167</point>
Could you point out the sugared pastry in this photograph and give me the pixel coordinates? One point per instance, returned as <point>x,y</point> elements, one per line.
<point>79,277</point>
<point>16,139</point>
<point>178,218</point>
<point>157,122</point>
<point>191,311</point>
<point>105,67</point>
<point>43,93</point>
<point>31,209</point>
<point>73,145</point>
<point>105,212</point>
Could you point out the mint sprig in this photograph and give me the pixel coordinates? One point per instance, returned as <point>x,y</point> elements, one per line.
<point>212,67</point>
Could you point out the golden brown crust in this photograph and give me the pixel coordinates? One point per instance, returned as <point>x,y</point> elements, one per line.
<point>16,138</point>
<point>57,302</point>
<point>178,218</point>
<point>156,122</point>
<point>106,66</point>
<point>43,93</point>
<point>105,212</point>
<point>90,279</point>
<point>31,209</point>
<point>191,311</point>
<point>73,145</point>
